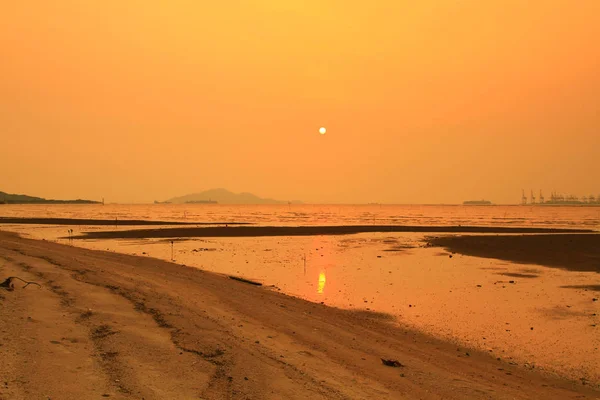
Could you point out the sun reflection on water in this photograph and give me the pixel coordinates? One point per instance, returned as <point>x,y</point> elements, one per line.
<point>321,286</point>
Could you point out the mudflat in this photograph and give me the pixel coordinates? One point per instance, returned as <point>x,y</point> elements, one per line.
<point>574,252</point>
<point>109,325</point>
<point>258,231</point>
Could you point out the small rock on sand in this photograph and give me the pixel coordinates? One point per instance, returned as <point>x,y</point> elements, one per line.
<point>391,363</point>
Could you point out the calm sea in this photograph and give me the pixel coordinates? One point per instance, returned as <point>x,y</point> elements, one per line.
<point>517,216</point>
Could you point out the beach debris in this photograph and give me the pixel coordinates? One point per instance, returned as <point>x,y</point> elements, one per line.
<point>388,362</point>
<point>594,299</point>
<point>237,278</point>
<point>9,284</point>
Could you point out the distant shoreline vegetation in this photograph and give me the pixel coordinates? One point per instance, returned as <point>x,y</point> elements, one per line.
<point>7,198</point>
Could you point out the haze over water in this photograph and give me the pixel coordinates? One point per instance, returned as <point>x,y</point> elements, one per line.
<point>423,101</point>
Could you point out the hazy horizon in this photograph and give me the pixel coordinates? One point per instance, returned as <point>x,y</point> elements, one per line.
<point>431,102</point>
<point>296,201</point>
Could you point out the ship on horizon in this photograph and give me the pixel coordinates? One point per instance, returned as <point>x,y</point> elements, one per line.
<point>477,203</point>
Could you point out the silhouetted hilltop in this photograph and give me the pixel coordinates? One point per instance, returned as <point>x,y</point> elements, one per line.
<point>7,198</point>
<point>223,196</point>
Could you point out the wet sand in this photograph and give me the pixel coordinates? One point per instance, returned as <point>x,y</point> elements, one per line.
<point>466,300</point>
<point>258,231</point>
<point>579,252</point>
<point>130,327</point>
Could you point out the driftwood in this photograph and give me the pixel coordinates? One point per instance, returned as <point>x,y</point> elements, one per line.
<point>237,278</point>
<point>9,283</point>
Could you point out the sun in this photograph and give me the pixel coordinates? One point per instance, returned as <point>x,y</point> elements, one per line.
<point>322,130</point>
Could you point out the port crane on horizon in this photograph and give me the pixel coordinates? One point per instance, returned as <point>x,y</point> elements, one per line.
<point>557,198</point>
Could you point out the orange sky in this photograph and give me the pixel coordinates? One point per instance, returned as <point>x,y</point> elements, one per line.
<point>425,101</point>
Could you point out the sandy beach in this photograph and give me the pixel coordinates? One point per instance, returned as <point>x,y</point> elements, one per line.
<point>113,325</point>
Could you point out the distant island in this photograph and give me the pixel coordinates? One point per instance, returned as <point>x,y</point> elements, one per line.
<point>7,198</point>
<point>223,196</point>
<point>477,203</point>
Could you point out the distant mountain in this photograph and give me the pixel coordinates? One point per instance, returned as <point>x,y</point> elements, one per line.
<point>223,196</point>
<point>7,198</point>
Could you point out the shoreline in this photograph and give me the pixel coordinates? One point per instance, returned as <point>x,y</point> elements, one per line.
<point>233,339</point>
<point>262,231</point>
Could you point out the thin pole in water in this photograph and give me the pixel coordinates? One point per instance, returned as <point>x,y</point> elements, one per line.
<point>304,263</point>
<point>172,254</point>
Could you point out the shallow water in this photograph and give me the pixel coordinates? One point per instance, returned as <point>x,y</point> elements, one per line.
<point>465,299</point>
<point>516,216</point>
